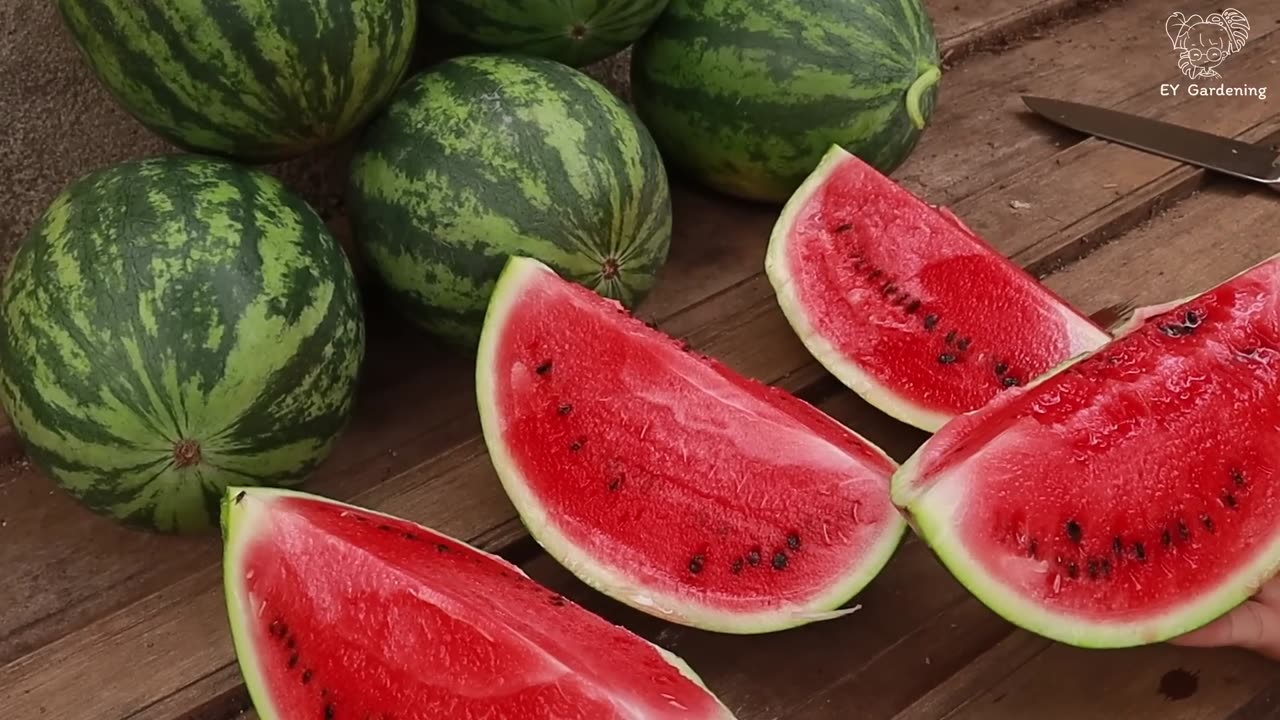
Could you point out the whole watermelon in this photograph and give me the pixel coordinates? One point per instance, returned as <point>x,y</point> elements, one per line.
<point>486,156</point>
<point>255,80</point>
<point>575,33</point>
<point>174,324</point>
<point>746,96</point>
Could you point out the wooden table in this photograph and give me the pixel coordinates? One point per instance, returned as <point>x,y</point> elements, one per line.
<point>102,623</point>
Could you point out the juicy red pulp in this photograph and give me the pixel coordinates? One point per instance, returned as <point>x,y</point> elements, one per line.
<point>355,615</point>
<point>916,300</point>
<point>1141,475</point>
<point>672,470</point>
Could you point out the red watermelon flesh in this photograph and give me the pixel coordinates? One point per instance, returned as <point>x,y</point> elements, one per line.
<point>339,612</point>
<point>666,480</point>
<point>1127,497</point>
<point>904,304</point>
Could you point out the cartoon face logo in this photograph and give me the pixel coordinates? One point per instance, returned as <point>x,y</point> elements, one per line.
<point>1203,43</point>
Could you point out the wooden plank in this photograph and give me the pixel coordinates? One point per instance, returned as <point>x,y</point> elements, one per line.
<point>346,485</point>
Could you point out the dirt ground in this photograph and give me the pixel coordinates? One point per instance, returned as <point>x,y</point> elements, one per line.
<point>57,123</point>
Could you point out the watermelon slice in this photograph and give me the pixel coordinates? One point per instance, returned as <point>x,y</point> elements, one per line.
<point>906,305</point>
<point>666,480</point>
<point>1128,496</point>
<point>339,612</point>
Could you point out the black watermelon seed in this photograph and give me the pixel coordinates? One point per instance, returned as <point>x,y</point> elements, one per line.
<point>1117,546</point>
<point>1207,522</point>
<point>753,557</point>
<point>1009,381</point>
<point>963,344</point>
<point>1001,368</point>
<point>565,409</point>
<point>1191,319</point>
<point>1183,531</point>
<point>1166,538</point>
<point>306,676</point>
<point>1139,552</point>
<point>930,320</point>
<point>410,536</point>
<point>913,307</point>
<point>951,337</point>
<point>695,565</point>
<point>736,568</point>
<point>845,227</point>
<point>1073,571</point>
<point>239,496</point>
<point>793,541</point>
<point>328,712</point>
<point>779,560</point>
<point>1237,477</point>
<point>1229,500</point>
<point>293,660</point>
<point>946,358</point>
<point>544,368</point>
<point>1074,532</point>
<point>615,483</point>
<point>575,446</point>
<point>442,548</point>
<point>1092,569</point>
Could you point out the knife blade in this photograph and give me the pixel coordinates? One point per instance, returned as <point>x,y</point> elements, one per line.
<point>1176,142</point>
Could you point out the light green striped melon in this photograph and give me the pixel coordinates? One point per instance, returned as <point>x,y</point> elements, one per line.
<point>747,96</point>
<point>250,79</point>
<point>172,325</point>
<point>487,156</point>
<point>574,32</point>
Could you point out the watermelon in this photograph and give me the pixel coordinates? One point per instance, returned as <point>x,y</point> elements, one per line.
<point>340,612</point>
<point>254,80</point>
<point>666,480</point>
<point>745,97</point>
<point>1108,504</point>
<point>172,325</point>
<point>905,304</point>
<point>576,33</point>
<point>486,156</point>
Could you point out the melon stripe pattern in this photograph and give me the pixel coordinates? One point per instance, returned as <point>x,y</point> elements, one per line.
<point>257,79</point>
<point>486,156</point>
<point>575,32</point>
<point>174,324</point>
<point>747,97</point>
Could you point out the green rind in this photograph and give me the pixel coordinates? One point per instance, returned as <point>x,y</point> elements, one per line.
<point>486,156</point>
<point>746,97</point>
<point>930,514</point>
<point>177,298</point>
<point>574,32</point>
<point>255,80</point>
<point>237,532</point>
<point>604,580</point>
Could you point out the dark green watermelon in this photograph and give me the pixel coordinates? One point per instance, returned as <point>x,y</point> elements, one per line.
<point>746,97</point>
<point>255,80</point>
<point>575,32</point>
<point>487,156</point>
<point>172,325</point>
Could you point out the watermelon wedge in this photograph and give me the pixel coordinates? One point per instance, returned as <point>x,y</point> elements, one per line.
<point>340,612</point>
<point>666,480</point>
<point>906,305</point>
<point>1130,495</point>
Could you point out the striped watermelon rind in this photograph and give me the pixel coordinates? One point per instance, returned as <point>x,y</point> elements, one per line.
<point>172,325</point>
<point>575,33</point>
<point>746,98</point>
<point>485,156</point>
<point>255,80</point>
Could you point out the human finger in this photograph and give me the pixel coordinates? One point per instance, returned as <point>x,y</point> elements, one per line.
<point>1253,625</point>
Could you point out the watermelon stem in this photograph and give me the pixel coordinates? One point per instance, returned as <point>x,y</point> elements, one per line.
<point>926,80</point>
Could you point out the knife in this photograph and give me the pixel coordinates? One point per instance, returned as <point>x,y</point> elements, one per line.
<point>1213,152</point>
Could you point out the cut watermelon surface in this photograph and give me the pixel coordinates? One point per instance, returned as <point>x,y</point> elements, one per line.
<point>666,480</point>
<point>339,612</point>
<point>904,304</point>
<point>1126,497</point>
